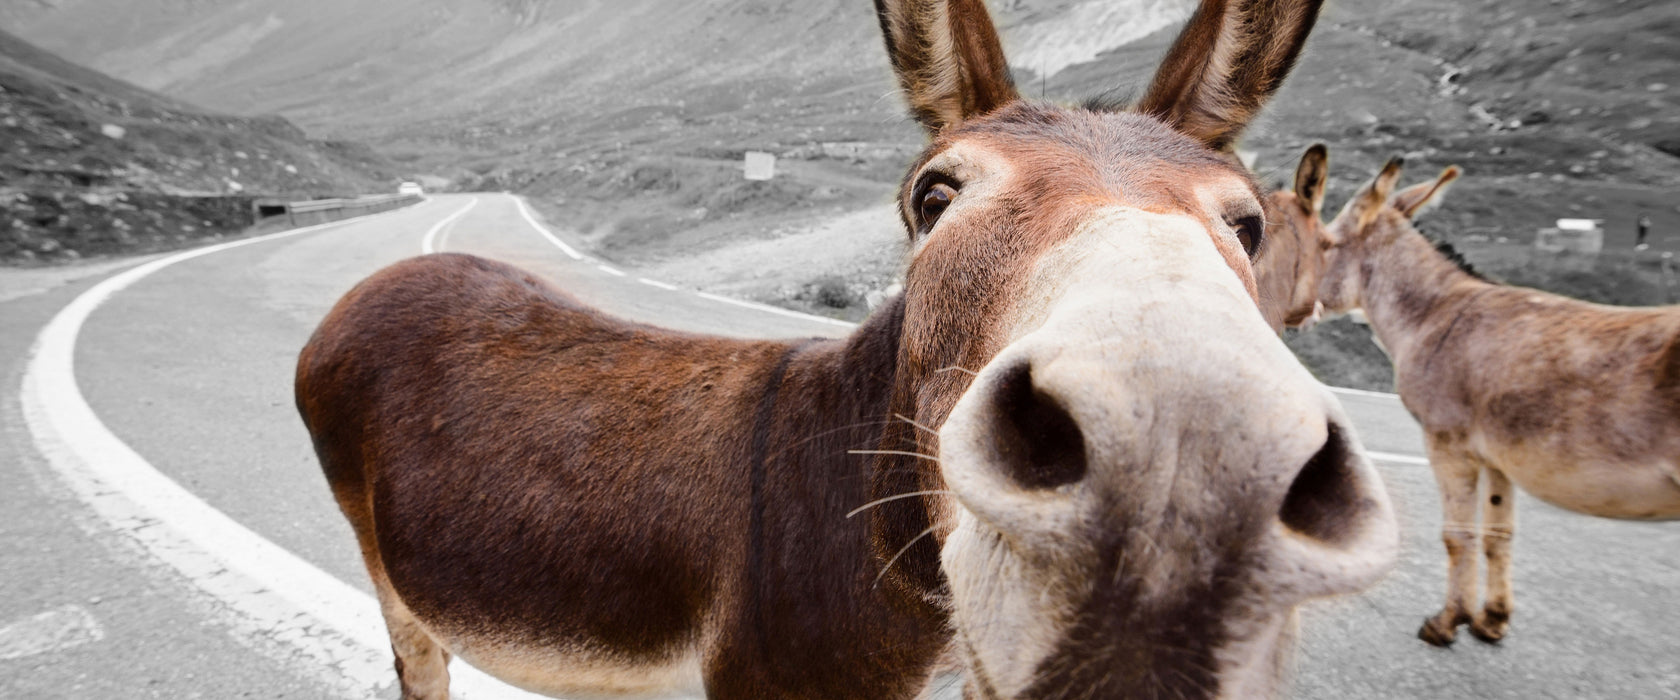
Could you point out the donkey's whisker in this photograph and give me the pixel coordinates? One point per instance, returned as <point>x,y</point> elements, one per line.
<point>954,368</point>
<point>906,453</point>
<point>879,501</point>
<point>906,419</point>
<point>901,551</point>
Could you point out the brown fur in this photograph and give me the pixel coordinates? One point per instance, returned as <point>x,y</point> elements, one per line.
<point>1230,59</point>
<point>582,504</point>
<point>948,58</point>
<point>1568,399</point>
<point>1292,260</point>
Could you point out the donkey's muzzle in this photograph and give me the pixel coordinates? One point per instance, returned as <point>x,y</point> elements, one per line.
<point>1149,444</point>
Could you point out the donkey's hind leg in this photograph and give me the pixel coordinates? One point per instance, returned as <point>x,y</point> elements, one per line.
<point>1456,478</point>
<point>422,663</point>
<point>1499,525</point>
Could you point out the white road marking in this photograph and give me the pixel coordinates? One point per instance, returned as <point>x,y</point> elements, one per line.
<point>657,283</point>
<point>520,201</point>
<point>430,244</point>
<point>334,628</point>
<point>774,310</point>
<point>714,297</point>
<point>1362,392</point>
<point>54,630</point>
<point>1396,458</point>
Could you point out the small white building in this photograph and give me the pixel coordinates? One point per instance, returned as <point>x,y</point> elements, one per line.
<point>1584,236</point>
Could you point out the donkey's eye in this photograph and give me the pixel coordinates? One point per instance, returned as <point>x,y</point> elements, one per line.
<point>933,201</point>
<point>1249,229</point>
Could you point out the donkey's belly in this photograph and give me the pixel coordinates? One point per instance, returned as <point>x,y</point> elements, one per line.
<point>1607,489</point>
<point>581,673</point>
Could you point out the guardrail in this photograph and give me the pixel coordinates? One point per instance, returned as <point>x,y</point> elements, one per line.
<point>320,211</point>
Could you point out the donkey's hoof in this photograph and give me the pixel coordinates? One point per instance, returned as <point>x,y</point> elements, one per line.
<point>1490,627</point>
<point>1438,634</point>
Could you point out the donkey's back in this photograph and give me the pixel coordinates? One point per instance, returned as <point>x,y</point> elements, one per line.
<point>488,438</point>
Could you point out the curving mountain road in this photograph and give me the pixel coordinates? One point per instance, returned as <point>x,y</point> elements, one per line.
<point>235,576</point>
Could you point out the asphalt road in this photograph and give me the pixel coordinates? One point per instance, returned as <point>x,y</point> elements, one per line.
<point>191,365</point>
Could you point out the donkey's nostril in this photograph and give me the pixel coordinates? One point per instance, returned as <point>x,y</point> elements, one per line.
<point>1038,442</point>
<point>1325,502</point>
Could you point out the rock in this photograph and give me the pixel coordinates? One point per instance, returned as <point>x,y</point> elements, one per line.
<point>113,131</point>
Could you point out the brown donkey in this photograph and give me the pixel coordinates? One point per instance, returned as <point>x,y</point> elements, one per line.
<point>1577,403</point>
<point>1080,463</point>
<point>1291,260</point>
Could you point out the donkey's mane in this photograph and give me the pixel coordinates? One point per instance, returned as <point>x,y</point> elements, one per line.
<point>1113,100</point>
<point>1446,249</point>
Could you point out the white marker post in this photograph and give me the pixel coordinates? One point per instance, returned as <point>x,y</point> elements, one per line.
<point>760,165</point>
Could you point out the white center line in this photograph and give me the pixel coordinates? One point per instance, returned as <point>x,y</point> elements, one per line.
<point>610,269</point>
<point>427,244</point>
<point>657,283</point>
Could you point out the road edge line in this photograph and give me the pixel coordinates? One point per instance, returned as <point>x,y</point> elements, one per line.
<point>520,201</point>
<point>1397,458</point>
<point>269,590</point>
<point>568,250</point>
<point>1364,392</point>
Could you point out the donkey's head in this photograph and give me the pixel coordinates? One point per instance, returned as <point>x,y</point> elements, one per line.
<point>1292,259</point>
<point>1136,481</point>
<point>1370,221</point>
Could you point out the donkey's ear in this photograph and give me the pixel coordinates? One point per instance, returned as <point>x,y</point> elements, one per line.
<point>1310,176</point>
<point>1231,57</point>
<point>1370,199</point>
<point>947,57</point>
<point>1417,199</point>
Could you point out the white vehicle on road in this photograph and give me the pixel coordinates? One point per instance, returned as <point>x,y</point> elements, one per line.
<point>410,188</point>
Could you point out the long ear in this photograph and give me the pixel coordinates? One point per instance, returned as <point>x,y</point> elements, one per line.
<point>947,57</point>
<point>1310,176</point>
<point>1417,199</point>
<point>1369,200</point>
<point>1230,58</point>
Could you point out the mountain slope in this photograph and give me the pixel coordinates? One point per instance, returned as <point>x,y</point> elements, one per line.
<point>591,105</point>
<point>92,163</point>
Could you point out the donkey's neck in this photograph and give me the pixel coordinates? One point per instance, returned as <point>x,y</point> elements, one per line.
<point>1411,288</point>
<point>813,568</point>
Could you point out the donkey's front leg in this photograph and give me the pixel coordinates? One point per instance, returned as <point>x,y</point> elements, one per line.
<point>1499,525</point>
<point>1457,480</point>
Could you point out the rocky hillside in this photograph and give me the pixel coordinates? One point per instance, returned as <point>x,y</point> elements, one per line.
<point>94,164</point>
<point>587,104</point>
